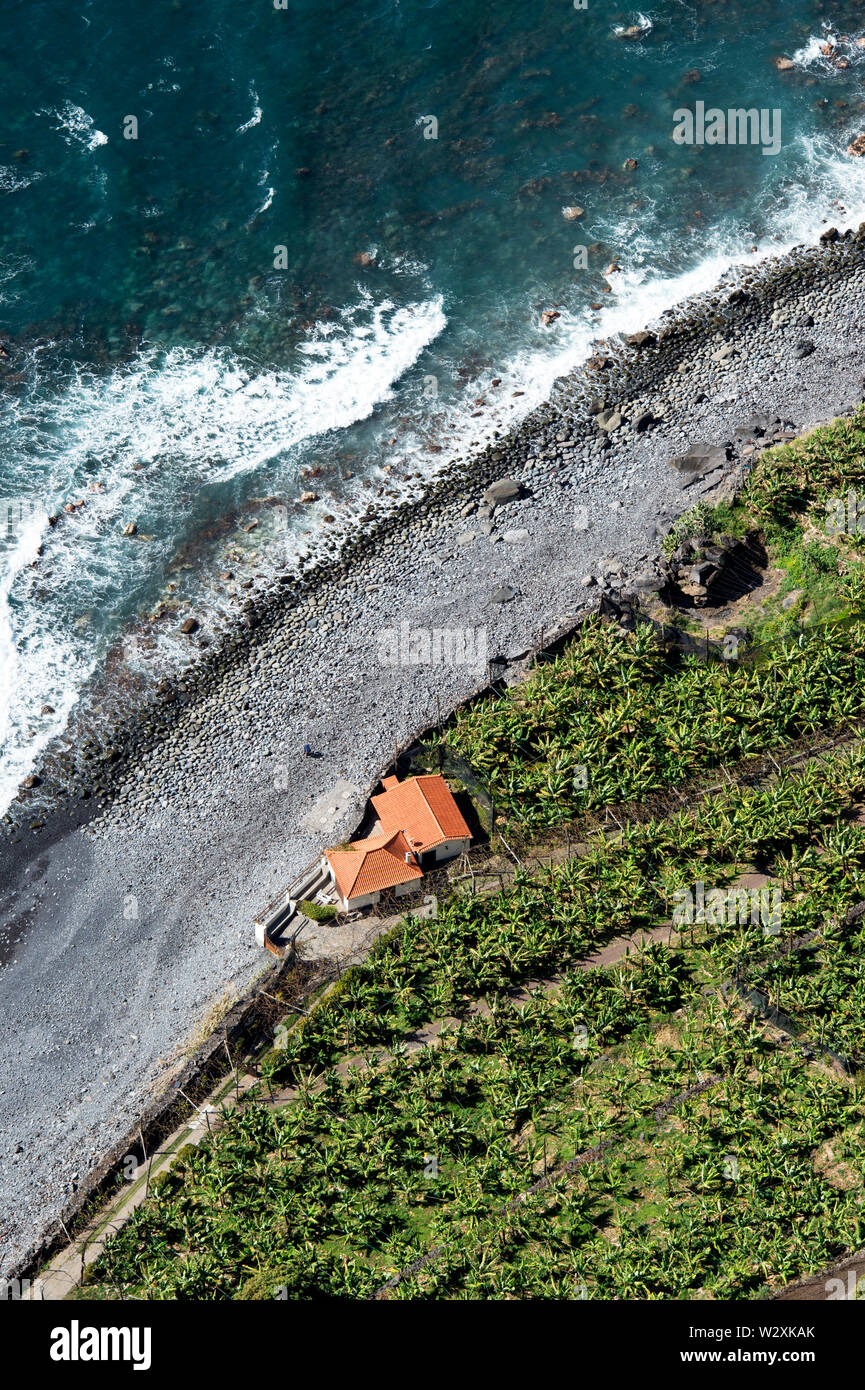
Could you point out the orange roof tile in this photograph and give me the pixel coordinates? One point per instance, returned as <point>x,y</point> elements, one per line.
<point>372,865</point>
<point>423,808</point>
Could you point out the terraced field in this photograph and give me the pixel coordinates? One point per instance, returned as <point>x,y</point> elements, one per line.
<point>479,1110</point>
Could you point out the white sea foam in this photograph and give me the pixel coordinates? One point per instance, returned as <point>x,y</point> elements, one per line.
<point>37,667</point>
<point>178,409</point>
<point>255,118</point>
<point>12,180</point>
<point>843,46</point>
<point>642,292</point>
<point>642,22</point>
<point>78,128</point>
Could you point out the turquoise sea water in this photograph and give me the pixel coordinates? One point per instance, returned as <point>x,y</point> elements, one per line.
<point>285,272</point>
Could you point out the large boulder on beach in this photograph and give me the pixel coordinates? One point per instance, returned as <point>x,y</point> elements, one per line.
<point>700,459</point>
<point>504,490</point>
<point>754,427</point>
<point>608,420</point>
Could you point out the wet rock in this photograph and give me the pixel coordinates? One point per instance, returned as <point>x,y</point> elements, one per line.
<point>857,146</point>
<point>784,64</point>
<point>189,625</point>
<point>640,340</point>
<point>31,781</point>
<point>309,497</point>
<point>549,316</point>
<point>571,214</point>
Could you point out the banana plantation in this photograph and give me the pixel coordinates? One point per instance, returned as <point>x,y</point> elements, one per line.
<point>481,1109</point>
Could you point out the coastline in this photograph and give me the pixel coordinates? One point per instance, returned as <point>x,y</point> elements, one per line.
<point>201,784</point>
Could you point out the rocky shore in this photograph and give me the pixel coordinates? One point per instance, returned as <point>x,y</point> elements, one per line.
<point>124,921</point>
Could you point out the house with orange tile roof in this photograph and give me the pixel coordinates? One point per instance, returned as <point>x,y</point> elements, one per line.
<point>363,870</point>
<point>419,824</point>
<point>425,810</point>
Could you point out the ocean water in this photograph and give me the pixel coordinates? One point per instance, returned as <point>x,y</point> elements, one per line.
<point>334,226</point>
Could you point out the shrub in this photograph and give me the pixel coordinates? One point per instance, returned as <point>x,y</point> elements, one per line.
<point>317,912</point>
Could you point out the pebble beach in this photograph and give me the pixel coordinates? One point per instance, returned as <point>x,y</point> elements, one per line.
<point>129,908</point>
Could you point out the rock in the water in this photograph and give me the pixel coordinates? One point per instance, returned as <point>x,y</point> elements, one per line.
<point>189,625</point>
<point>31,781</point>
<point>857,146</point>
<point>130,529</point>
<point>784,64</point>
<point>309,497</point>
<point>571,214</point>
<point>549,316</point>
